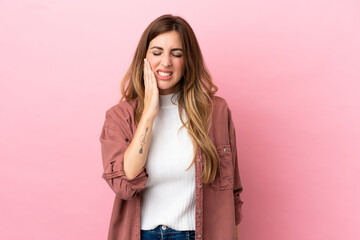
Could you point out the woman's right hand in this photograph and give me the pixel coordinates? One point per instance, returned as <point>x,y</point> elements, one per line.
<point>151,101</point>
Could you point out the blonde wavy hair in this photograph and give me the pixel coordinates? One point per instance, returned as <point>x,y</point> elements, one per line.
<point>195,89</point>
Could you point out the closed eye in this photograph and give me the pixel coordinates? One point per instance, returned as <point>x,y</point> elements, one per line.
<point>175,55</point>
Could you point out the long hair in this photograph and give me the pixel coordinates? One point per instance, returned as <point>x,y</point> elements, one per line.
<point>195,89</point>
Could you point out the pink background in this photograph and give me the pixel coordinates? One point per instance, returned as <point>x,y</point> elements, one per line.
<point>288,69</point>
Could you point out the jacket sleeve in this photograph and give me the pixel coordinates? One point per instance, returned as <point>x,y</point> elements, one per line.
<point>237,182</point>
<point>114,139</point>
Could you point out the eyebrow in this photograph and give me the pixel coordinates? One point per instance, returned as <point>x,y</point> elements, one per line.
<point>174,49</point>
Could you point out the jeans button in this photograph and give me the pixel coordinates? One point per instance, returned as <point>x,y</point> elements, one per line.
<point>163,227</point>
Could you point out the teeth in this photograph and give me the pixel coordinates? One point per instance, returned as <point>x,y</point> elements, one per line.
<point>164,74</point>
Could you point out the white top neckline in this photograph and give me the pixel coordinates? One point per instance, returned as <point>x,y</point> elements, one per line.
<point>168,101</point>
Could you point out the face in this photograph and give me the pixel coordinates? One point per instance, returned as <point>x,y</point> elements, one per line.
<point>165,55</point>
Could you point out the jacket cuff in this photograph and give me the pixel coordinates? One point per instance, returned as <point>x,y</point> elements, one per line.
<point>124,187</point>
<point>138,182</point>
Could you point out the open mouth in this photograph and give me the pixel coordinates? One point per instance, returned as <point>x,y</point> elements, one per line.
<point>164,74</point>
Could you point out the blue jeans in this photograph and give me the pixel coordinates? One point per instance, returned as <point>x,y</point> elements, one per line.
<point>162,232</point>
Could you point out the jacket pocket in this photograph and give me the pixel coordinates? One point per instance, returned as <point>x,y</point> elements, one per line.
<point>225,174</point>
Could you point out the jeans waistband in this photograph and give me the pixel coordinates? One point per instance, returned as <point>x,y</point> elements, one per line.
<point>165,229</point>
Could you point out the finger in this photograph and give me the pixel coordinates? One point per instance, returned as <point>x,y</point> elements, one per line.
<point>148,72</point>
<point>154,80</point>
<point>144,71</point>
<point>145,75</point>
<point>151,74</point>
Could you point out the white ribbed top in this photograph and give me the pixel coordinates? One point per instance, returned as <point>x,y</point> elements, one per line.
<point>169,196</point>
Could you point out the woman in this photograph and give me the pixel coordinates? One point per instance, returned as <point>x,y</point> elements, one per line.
<point>169,149</point>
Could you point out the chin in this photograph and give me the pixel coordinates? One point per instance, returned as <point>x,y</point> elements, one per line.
<point>165,88</point>
<point>164,85</point>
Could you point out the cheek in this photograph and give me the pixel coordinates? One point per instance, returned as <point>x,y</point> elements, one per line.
<point>152,61</point>
<point>179,65</point>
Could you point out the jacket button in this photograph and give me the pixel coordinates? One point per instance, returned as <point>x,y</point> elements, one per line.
<point>199,235</point>
<point>199,186</point>
<point>198,160</point>
<point>224,149</point>
<point>199,212</point>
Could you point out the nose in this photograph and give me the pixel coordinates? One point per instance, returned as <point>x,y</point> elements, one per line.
<point>166,61</point>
